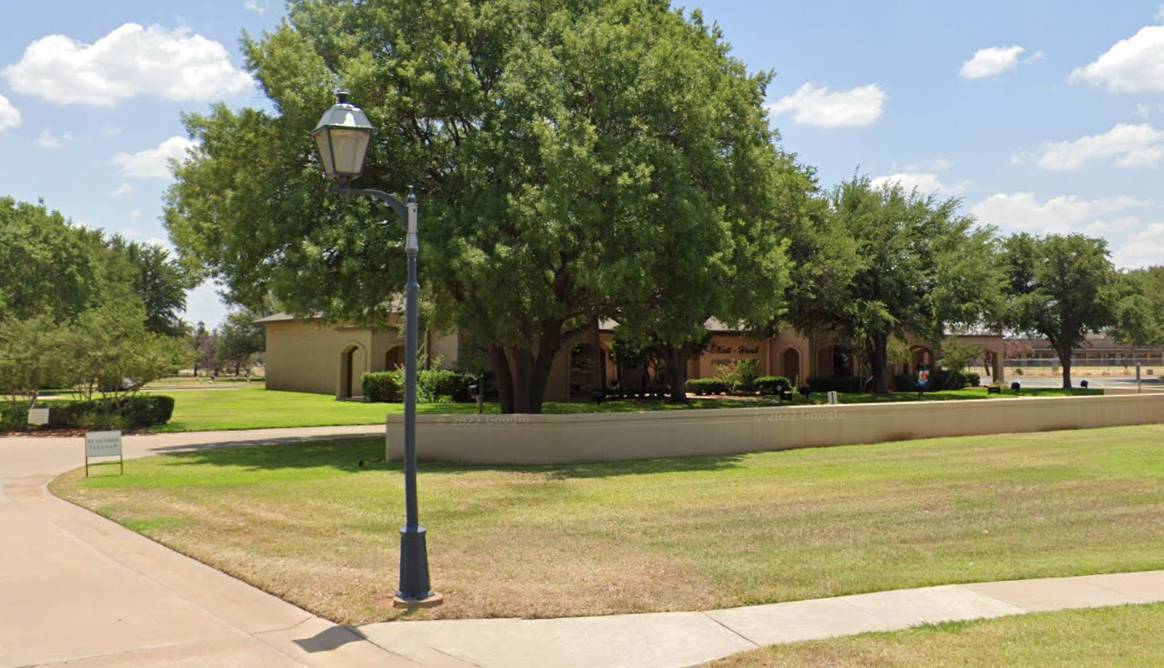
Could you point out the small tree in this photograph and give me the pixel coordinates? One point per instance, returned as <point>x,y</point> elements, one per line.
<point>1060,287</point>
<point>32,358</point>
<point>111,351</point>
<point>240,338</point>
<point>956,357</point>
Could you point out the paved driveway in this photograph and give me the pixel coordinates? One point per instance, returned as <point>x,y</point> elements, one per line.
<point>77,588</point>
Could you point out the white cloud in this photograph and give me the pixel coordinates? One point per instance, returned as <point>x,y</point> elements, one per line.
<point>135,215</point>
<point>154,163</point>
<point>1126,145</point>
<point>257,6</point>
<point>925,183</point>
<point>128,62</point>
<point>1142,248</point>
<point>816,105</point>
<point>992,62</point>
<point>1023,212</point>
<point>1132,65</point>
<point>9,115</point>
<point>50,140</point>
<point>123,191</point>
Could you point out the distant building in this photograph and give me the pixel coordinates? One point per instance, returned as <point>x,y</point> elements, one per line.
<point>1097,351</point>
<point>310,355</point>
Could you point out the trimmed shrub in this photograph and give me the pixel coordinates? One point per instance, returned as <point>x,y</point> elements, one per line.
<point>706,386</point>
<point>133,412</point>
<point>432,385</point>
<point>972,379</point>
<point>384,386</point>
<point>772,384</point>
<point>837,384</point>
<point>445,385</point>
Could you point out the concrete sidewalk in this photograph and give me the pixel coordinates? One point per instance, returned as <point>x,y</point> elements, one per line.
<point>77,588</point>
<point>692,638</point>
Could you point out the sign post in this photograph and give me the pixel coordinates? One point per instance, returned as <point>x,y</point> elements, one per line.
<point>1139,381</point>
<point>103,444</point>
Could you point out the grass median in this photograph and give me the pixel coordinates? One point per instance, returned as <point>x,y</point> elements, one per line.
<point>1117,636</point>
<point>307,523</point>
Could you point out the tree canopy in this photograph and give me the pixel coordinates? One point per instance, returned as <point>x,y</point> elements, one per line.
<point>1061,287</point>
<point>574,160</point>
<point>920,268</point>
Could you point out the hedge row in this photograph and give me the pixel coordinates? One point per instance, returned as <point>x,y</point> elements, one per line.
<point>133,412</point>
<point>432,385</point>
<point>769,385</point>
<point>940,379</point>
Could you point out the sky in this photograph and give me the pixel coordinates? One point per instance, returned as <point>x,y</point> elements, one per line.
<point>1040,116</point>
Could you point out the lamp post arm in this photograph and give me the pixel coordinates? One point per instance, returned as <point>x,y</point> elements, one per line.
<point>378,195</point>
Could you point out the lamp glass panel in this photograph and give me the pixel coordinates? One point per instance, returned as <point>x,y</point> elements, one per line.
<point>323,145</point>
<point>349,146</point>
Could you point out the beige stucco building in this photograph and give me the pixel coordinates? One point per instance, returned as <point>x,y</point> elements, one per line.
<point>311,355</point>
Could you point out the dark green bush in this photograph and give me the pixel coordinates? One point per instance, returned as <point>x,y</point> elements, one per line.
<point>446,385</point>
<point>972,379</point>
<point>386,386</point>
<point>432,385</point>
<point>837,384</point>
<point>772,384</point>
<point>133,412</point>
<point>706,386</point>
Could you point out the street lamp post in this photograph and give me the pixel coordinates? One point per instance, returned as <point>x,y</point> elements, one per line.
<point>342,138</point>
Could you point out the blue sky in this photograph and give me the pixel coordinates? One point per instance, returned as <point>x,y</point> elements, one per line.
<point>1041,116</point>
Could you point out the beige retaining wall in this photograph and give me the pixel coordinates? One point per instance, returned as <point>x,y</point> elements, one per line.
<point>545,439</point>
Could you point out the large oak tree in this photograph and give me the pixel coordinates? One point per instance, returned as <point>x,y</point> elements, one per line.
<point>919,268</point>
<point>571,157</point>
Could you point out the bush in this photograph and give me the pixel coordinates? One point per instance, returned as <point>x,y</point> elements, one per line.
<point>706,386</point>
<point>972,379</point>
<point>386,386</point>
<point>133,412</point>
<point>746,372</point>
<point>432,385</point>
<point>772,384</point>
<point>444,385</point>
<point>837,384</point>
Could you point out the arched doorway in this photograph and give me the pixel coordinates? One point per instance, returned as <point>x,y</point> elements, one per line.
<point>353,364</point>
<point>394,358</point>
<point>790,365</point>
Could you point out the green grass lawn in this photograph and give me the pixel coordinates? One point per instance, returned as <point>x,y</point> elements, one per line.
<point>242,406</point>
<point>307,523</point>
<point>1119,636</point>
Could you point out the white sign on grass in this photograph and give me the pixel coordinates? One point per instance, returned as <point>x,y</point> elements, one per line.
<point>103,444</point>
<point>38,417</point>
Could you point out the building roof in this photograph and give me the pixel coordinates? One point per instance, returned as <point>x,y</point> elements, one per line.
<point>286,317</point>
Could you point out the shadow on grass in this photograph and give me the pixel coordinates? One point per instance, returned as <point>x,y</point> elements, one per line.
<point>355,455</point>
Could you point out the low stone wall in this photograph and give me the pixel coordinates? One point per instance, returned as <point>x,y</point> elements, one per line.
<point>547,439</point>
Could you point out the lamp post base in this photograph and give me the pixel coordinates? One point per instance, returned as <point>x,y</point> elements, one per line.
<point>414,588</point>
<point>433,600</point>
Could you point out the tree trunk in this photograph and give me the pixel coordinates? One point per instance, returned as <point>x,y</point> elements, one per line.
<point>677,370</point>
<point>522,375</point>
<point>503,378</point>
<point>878,347</point>
<point>1065,361</point>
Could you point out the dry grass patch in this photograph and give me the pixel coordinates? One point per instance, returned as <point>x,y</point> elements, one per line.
<point>305,522</point>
